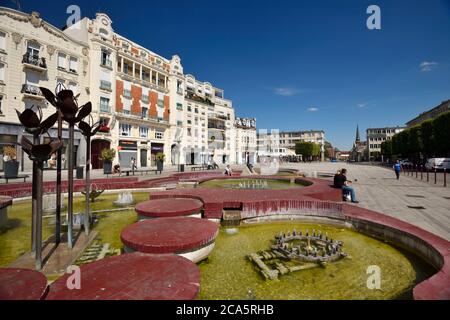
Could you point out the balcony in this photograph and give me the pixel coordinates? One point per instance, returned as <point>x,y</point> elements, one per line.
<point>32,91</point>
<point>104,129</point>
<point>192,96</point>
<point>34,62</point>
<point>216,126</point>
<point>105,85</point>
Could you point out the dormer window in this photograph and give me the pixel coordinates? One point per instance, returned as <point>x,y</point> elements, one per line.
<point>103,32</point>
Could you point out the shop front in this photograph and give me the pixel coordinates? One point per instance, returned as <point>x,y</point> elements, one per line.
<point>155,148</point>
<point>127,150</point>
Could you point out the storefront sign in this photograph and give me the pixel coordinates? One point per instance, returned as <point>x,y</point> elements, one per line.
<point>127,145</point>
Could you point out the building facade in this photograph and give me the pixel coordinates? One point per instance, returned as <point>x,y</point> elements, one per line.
<point>288,139</point>
<point>430,114</point>
<point>376,136</point>
<point>148,105</point>
<point>246,140</point>
<point>34,54</point>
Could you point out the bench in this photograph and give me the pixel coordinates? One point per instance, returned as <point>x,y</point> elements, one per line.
<point>142,170</point>
<point>19,176</point>
<point>203,167</point>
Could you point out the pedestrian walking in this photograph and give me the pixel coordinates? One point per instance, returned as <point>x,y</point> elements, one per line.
<point>397,169</point>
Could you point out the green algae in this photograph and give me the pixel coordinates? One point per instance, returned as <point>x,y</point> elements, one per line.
<point>15,237</point>
<point>228,274</point>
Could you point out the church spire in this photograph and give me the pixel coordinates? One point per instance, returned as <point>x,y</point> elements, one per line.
<point>357,134</point>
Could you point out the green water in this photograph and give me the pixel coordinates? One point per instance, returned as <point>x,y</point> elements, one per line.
<point>228,274</point>
<point>15,237</point>
<point>235,183</point>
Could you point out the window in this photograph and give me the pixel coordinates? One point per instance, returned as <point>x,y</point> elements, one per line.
<point>143,132</point>
<point>159,135</point>
<point>196,110</point>
<point>2,72</point>
<point>61,61</point>
<point>144,98</point>
<point>33,49</point>
<point>144,112</point>
<point>189,132</point>
<point>189,108</point>
<point>73,86</point>
<point>104,104</point>
<point>105,85</point>
<point>105,59</point>
<point>179,106</point>
<point>125,129</point>
<point>2,41</point>
<point>73,64</point>
<point>179,123</point>
<point>160,103</point>
<point>189,122</point>
<point>127,93</point>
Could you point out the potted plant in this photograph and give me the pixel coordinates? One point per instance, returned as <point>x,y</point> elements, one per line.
<point>160,157</point>
<point>11,165</point>
<point>108,156</point>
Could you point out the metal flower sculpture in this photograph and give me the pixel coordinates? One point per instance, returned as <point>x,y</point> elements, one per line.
<point>40,152</point>
<point>67,105</point>
<point>88,129</point>
<point>33,122</point>
<point>66,102</point>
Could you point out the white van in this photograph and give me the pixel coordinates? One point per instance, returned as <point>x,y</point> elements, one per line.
<point>438,163</point>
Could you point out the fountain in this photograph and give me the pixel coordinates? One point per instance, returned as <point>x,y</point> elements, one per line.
<point>124,199</point>
<point>304,250</point>
<point>251,184</point>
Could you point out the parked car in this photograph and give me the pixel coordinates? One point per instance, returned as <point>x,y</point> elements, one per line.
<point>438,163</point>
<point>406,162</point>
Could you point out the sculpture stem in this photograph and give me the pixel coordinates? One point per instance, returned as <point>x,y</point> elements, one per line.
<point>87,213</point>
<point>34,187</point>
<point>39,192</point>
<point>58,184</point>
<point>70,189</point>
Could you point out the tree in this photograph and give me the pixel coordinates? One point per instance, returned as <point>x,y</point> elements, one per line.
<point>306,149</point>
<point>386,149</point>
<point>414,146</point>
<point>426,133</point>
<point>441,134</point>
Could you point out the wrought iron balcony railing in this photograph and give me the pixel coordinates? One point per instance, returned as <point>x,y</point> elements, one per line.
<point>31,89</point>
<point>34,60</point>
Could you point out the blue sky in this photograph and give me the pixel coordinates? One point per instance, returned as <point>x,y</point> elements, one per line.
<point>296,65</point>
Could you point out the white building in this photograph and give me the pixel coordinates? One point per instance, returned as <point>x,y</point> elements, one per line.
<point>376,136</point>
<point>288,139</point>
<point>145,101</point>
<point>34,54</point>
<point>246,140</point>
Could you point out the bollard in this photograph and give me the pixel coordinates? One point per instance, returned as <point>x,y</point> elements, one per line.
<point>445,177</point>
<point>421,172</point>
<point>428,176</point>
<point>435,176</point>
<point>416,167</point>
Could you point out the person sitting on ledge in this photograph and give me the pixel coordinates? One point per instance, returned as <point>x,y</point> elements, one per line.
<point>335,178</point>
<point>116,169</point>
<point>342,182</point>
<point>228,171</point>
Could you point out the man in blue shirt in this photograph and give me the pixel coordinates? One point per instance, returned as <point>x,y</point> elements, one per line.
<point>397,168</point>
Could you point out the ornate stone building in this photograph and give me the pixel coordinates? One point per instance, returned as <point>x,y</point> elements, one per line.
<point>34,54</point>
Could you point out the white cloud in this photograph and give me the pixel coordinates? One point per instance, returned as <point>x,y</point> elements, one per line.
<point>286,92</point>
<point>313,109</point>
<point>428,66</point>
<point>362,105</point>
